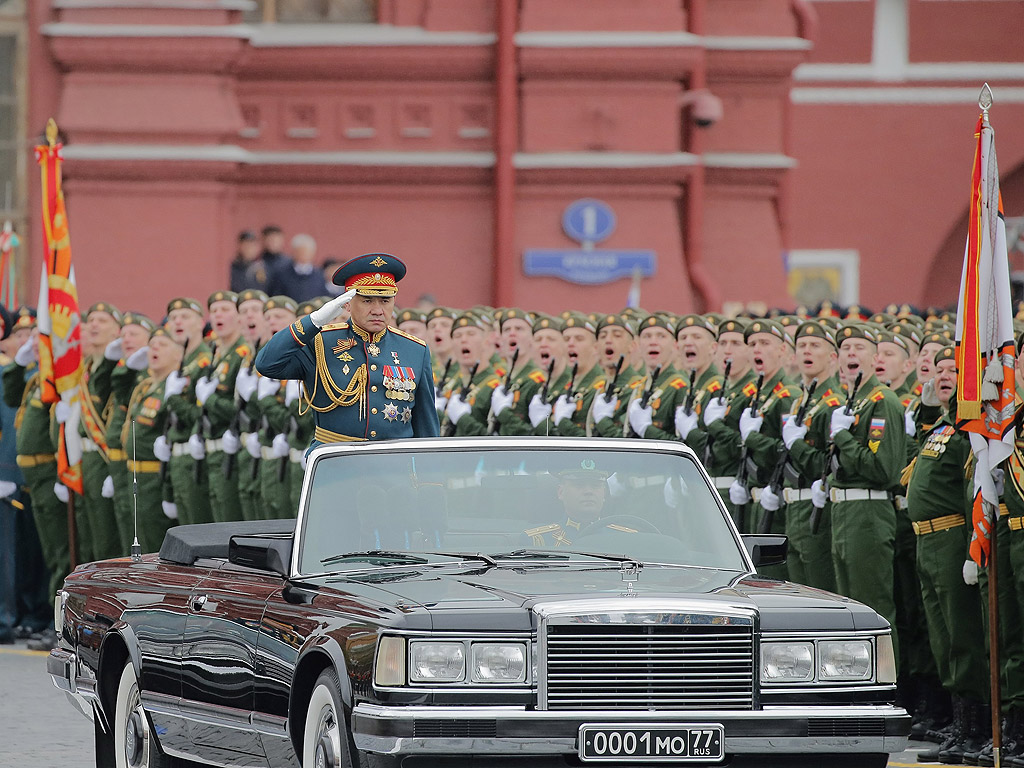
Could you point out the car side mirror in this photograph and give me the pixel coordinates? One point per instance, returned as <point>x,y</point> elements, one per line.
<point>264,553</point>
<point>766,548</point>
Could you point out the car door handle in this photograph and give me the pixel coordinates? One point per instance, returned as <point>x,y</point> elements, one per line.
<point>196,602</point>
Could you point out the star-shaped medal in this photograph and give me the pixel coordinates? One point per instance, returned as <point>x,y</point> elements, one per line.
<point>391,412</point>
<point>406,415</point>
<point>373,349</point>
<point>394,356</point>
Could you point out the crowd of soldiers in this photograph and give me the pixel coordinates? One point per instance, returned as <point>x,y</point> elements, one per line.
<point>833,427</point>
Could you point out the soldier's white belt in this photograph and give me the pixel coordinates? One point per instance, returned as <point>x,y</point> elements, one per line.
<point>901,501</point>
<point>295,455</point>
<point>857,494</point>
<point>796,494</point>
<point>214,445</point>
<point>179,449</point>
<point>88,446</point>
<point>722,483</point>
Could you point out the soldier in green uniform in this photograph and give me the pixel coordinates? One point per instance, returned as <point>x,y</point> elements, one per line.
<point>616,348</point>
<point>656,340</point>
<point>439,339</point>
<point>190,484</point>
<point>155,512</point>
<point>467,402</point>
<point>570,408</point>
<point>550,355</point>
<point>698,341</point>
<point>412,322</point>
<point>250,316</point>
<point>255,332</point>
<point>363,379</point>
<point>509,405</point>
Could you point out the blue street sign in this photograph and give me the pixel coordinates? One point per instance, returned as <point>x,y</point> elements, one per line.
<point>588,221</point>
<point>588,267</point>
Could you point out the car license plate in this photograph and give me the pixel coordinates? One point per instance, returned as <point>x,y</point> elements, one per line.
<point>652,743</point>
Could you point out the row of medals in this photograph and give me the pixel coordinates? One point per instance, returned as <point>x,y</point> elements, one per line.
<point>399,389</point>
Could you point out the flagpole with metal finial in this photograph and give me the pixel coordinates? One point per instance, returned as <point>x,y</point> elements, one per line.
<point>985,103</point>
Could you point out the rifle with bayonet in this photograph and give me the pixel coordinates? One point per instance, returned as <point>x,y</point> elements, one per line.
<point>645,398</point>
<point>609,392</point>
<point>446,374</point>
<point>775,483</point>
<point>492,420</point>
<point>691,396</point>
<point>172,417</point>
<point>831,454</point>
<point>241,421</point>
<point>743,473</point>
<point>709,441</point>
<point>547,382</point>
<point>450,427</point>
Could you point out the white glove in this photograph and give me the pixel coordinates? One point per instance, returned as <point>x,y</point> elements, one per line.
<point>440,403</point>
<point>603,407</point>
<point>791,431</point>
<point>616,487</point>
<point>231,442</point>
<point>62,411</point>
<point>640,417</point>
<point>174,384</point>
<point>749,422</point>
<point>928,396</point>
<point>714,411</point>
<point>539,411</point>
<point>107,491</point>
<point>245,382</point>
<point>908,423</point>
<point>196,449</point>
<point>139,359</point>
<point>292,391</point>
<point>267,387</point>
<point>500,400</point>
<point>27,353</point>
<point>170,509</point>
<point>7,489</point>
<point>770,500</point>
<point>252,445</point>
<point>331,309</point>
<point>457,408</point>
<point>738,493</point>
<point>819,495</point>
<point>161,449</point>
<point>686,421</point>
<point>280,447</point>
<point>997,477</point>
<point>204,388</point>
<point>841,420</point>
<point>114,350</point>
<point>970,573</point>
<point>303,462</point>
<point>61,492</point>
<point>564,409</point>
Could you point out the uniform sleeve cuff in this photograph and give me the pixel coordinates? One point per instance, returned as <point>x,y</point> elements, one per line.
<point>303,330</point>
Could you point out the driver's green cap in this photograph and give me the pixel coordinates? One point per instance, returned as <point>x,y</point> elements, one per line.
<point>585,470</point>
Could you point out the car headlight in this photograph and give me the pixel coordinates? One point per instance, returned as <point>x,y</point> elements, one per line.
<point>787,662</point>
<point>844,660</point>
<point>431,662</point>
<point>390,667</point>
<point>498,663</point>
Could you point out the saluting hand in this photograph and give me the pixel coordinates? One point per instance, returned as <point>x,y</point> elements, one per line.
<point>331,309</point>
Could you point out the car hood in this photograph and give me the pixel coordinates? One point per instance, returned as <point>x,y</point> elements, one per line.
<point>508,597</point>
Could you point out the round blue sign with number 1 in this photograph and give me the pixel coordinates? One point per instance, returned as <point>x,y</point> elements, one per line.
<point>588,221</point>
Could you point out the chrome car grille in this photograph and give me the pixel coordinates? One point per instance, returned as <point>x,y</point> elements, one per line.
<point>667,666</point>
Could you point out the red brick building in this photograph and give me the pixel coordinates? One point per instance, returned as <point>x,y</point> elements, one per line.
<point>756,147</point>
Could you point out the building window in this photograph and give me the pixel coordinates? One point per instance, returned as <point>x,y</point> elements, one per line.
<point>314,11</point>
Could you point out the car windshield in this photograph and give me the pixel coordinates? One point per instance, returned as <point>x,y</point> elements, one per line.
<point>513,504</point>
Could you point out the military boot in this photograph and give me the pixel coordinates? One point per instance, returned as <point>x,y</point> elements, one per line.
<point>956,733</point>
<point>1013,747</point>
<point>932,711</point>
<point>974,735</point>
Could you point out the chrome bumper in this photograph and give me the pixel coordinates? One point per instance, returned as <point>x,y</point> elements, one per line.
<point>62,666</point>
<point>517,731</point>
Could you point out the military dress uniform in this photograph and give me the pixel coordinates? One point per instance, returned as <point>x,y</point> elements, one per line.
<point>1010,590</point>
<point>95,395</point>
<point>477,394</point>
<point>190,484</point>
<point>526,382</point>
<point>667,393</point>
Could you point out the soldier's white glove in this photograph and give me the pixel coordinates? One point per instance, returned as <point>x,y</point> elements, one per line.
<point>970,573</point>
<point>440,403</point>
<point>331,309</point>
<point>62,411</point>
<point>603,407</point>
<point>170,509</point>
<point>205,388</point>
<point>819,494</point>
<point>267,387</point>
<point>61,492</point>
<point>246,382</point>
<point>114,350</point>
<point>749,422</point>
<point>714,411</point>
<point>686,421</point>
<point>738,493</point>
<point>292,391</point>
<point>107,491</point>
<point>500,400</point>
<point>770,500</point>
<point>175,384</point>
<point>280,447</point>
<point>539,411</point>
<point>791,431</point>
<point>564,409</point>
<point>640,417</point>
<point>616,487</point>
<point>303,462</point>
<point>7,489</point>
<point>139,359</point>
<point>196,448</point>
<point>908,423</point>
<point>841,420</point>
<point>997,477</point>
<point>27,353</point>
<point>928,396</point>
<point>161,449</point>
<point>231,442</point>
<point>252,444</point>
<point>457,408</point>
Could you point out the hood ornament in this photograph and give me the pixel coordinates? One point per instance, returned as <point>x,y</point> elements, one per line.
<point>630,571</point>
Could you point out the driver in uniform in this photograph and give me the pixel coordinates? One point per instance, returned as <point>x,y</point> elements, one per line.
<point>582,490</point>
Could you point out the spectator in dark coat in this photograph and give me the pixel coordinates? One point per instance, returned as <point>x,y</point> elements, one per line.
<point>273,255</point>
<point>299,278</point>
<point>248,270</point>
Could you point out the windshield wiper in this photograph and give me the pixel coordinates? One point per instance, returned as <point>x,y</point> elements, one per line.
<point>541,554</point>
<point>466,556</point>
<point>375,554</point>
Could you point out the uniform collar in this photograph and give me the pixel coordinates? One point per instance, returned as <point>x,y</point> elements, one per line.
<point>365,335</point>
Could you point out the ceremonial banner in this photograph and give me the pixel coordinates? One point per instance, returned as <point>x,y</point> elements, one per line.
<point>8,274</point>
<point>985,339</point>
<point>59,320</point>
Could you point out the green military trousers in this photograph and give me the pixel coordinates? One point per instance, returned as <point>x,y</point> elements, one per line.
<point>276,489</point>
<point>810,554</point>
<point>51,517</point>
<point>191,496</point>
<point>124,504</point>
<point>224,503</point>
<point>1011,628</point>
<point>248,476</point>
<point>106,538</point>
<point>917,658</point>
<point>152,521</point>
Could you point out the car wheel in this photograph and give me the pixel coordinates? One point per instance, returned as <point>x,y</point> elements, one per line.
<point>134,743</point>
<point>325,736</point>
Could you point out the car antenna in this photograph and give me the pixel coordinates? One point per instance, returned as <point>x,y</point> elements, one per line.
<point>136,548</point>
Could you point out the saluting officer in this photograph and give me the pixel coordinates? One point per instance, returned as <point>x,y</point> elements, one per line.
<point>363,379</point>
